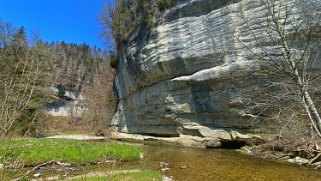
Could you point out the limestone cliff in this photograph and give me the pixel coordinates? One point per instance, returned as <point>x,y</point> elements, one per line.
<point>188,76</point>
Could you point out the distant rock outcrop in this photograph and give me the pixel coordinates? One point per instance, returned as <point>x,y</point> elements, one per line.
<point>66,105</point>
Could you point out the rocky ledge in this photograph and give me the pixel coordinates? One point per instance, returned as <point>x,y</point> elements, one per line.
<point>237,141</point>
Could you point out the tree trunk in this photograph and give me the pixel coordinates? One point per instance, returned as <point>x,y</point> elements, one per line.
<point>312,112</point>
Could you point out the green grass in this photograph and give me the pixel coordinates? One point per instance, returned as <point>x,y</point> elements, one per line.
<point>29,151</point>
<point>139,176</point>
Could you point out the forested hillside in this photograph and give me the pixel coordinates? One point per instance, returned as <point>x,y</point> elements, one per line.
<point>28,66</point>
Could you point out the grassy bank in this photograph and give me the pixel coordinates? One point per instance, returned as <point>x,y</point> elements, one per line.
<point>33,151</point>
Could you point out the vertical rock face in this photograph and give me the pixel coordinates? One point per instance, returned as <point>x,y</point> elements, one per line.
<point>188,75</point>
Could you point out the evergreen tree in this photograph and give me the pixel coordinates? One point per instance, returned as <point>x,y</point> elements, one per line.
<point>20,38</point>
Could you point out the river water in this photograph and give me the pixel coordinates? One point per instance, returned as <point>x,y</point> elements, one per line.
<point>214,164</point>
<point>192,164</point>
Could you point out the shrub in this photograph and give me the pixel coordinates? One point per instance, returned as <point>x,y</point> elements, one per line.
<point>114,62</point>
<point>163,4</point>
<point>119,20</point>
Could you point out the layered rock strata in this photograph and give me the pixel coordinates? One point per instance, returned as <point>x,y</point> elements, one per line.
<point>189,75</point>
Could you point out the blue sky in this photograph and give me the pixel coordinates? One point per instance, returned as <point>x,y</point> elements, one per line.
<point>72,21</point>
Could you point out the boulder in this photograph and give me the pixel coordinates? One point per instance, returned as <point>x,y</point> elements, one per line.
<point>213,143</point>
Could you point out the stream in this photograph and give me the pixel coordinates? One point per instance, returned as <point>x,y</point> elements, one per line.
<point>193,164</point>
<point>216,164</point>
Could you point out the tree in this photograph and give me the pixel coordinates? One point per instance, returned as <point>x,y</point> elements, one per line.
<point>20,38</point>
<point>286,44</point>
<point>106,19</point>
<point>6,33</point>
<point>21,84</point>
<point>99,100</point>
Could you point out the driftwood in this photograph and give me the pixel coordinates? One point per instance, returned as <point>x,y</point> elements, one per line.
<point>313,160</point>
<point>34,168</point>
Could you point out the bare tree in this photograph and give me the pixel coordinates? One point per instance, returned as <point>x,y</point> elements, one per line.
<point>286,43</point>
<point>100,103</point>
<point>6,33</point>
<point>106,20</point>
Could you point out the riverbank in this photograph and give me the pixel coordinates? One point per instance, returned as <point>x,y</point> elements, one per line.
<point>299,152</point>
<point>25,158</point>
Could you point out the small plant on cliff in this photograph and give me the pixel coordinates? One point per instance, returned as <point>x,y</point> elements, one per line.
<point>61,91</point>
<point>114,62</point>
<point>163,4</point>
